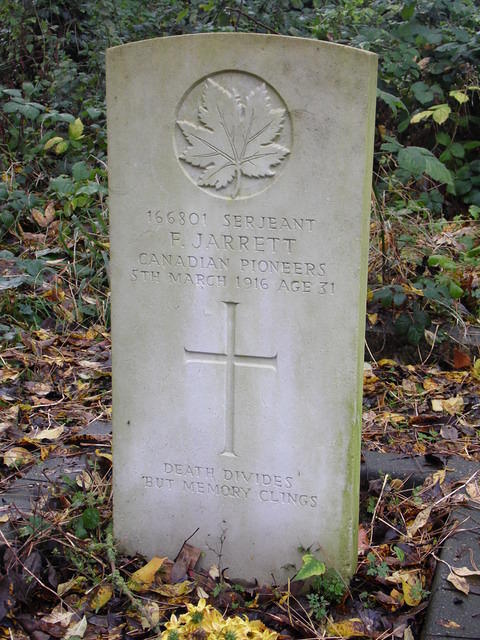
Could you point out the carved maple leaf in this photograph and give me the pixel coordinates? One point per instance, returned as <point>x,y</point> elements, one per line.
<point>237,137</point>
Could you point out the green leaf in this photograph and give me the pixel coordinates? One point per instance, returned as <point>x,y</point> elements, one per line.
<point>310,567</point>
<point>80,171</point>
<point>75,129</point>
<point>90,518</point>
<point>417,160</point>
<point>402,324</point>
<point>392,101</point>
<point>455,290</point>
<point>460,96</point>
<point>62,185</point>
<point>457,150</point>
<point>408,10</point>
<point>441,113</point>
<point>443,138</point>
<point>422,92</point>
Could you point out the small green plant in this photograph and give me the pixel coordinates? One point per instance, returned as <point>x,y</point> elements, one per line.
<point>318,605</point>
<point>376,568</point>
<point>330,585</point>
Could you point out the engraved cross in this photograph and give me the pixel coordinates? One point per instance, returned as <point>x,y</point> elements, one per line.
<point>231,359</point>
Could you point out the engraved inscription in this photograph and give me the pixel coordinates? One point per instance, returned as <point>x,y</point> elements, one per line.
<point>231,359</point>
<point>234,136</point>
<point>228,483</point>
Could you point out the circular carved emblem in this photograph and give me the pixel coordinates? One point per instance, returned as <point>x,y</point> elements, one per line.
<point>233,134</point>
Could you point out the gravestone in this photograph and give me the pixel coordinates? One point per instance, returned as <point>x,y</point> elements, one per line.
<point>239,173</point>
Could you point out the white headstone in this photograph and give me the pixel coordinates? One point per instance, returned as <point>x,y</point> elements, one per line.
<point>240,173</point>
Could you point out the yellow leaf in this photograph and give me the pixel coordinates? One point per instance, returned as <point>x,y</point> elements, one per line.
<point>100,599</point>
<point>52,142</point>
<point>143,578</point>
<point>373,318</point>
<point>61,147</point>
<point>412,589</point>
<point>437,404</point>
<point>439,476</point>
<point>17,456</point>
<point>459,582</point>
<point>101,454</point>
<point>419,522</point>
<point>4,518</point>
<point>386,362</point>
<point>418,117</point>
<point>476,369</point>
<point>75,129</point>
<point>460,96</point>
<point>352,628</point>
<point>75,584</point>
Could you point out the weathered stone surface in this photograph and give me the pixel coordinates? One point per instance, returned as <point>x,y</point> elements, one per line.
<point>239,172</point>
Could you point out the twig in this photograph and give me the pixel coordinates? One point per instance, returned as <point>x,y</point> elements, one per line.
<point>376,507</point>
<point>239,12</point>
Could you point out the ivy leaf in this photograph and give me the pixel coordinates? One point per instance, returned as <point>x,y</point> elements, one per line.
<point>237,137</point>
<point>311,567</point>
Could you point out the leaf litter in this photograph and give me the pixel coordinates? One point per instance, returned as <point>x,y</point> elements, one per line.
<point>60,575</point>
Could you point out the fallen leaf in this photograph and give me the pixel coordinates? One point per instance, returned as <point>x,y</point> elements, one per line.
<point>174,590</point>
<point>473,491</point>
<point>412,589</point>
<point>419,522</point>
<point>449,624</point>
<point>49,434</point>
<point>454,405</point>
<point>465,571</point>
<point>439,476</point>
<point>407,634</point>
<point>76,629</point>
<point>4,518</point>
<point>151,615</point>
<point>58,616</point>
<point>363,541</point>
<point>143,578</point>
<point>74,584</point>
<point>461,360</point>
<point>458,582</point>
<point>351,628</point>
<point>102,596</point>
<point>17,457</point>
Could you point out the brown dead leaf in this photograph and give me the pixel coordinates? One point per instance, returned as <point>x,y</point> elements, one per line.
<point>363,541</point>
<point>419,522</point>
<point>461,360</point>
<point>49,434</point>
<point>449,624</point>
<point>465,572</point>
<point>17,457</point>
<point>473,491</point>
<point>459,582</point>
